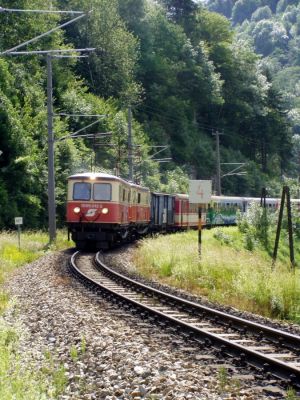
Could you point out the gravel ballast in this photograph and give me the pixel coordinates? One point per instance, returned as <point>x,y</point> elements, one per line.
<point>109,353</point>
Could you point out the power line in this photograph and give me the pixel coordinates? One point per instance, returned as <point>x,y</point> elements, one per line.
<point>14,10</point>
<point>45,52</point>
<point>43,34</point>
<point>80,115</point>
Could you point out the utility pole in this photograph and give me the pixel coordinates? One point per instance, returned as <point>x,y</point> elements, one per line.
<point>49,53</point>
<point>51,174</point>
<point>218,164</point>
<point>130,160</point>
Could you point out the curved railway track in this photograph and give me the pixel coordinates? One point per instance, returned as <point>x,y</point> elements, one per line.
<point>271,350</point>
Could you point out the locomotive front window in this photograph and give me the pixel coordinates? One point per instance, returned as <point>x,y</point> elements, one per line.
<point>102,191</point>
<point>81,191</point>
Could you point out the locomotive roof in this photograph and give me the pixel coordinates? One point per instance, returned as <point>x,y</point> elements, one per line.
<point>103,176</point>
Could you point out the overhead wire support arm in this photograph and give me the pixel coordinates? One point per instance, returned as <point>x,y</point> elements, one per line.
<point>163,148</point>
<point>75,134</point>
<point>70,56</point>
<point>235,171</point>
<point>88,135</point>
<point>19,46</point>
<point>80,115</point>
<point>13,10</point>
<point>50,52</point>
<point>162,159</point>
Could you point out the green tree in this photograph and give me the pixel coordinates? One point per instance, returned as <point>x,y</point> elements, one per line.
<point>111,69</point>
<point>243,9</point>
<point>262,13</point>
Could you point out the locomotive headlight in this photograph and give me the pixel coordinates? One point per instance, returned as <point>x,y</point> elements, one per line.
<point>76,210</point>
<point>105,210</point>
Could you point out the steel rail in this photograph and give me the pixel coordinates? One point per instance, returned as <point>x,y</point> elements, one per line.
<point>254,358</point>
<point>278,336</point>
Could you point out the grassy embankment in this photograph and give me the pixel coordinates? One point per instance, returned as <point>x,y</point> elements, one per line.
<point>18,380</point>
<point>227,273</point>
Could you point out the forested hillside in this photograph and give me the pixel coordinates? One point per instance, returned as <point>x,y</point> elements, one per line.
<point>181,68</point>
<point>272,28</point>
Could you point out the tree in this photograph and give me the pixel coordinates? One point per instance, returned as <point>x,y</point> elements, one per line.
<point>182,12</point>
<point>179,10</point>
<point>133,12</point>
<point>111,70</point>
<point>222,6</point>
<point>243,9</point>
<point>261,13</point>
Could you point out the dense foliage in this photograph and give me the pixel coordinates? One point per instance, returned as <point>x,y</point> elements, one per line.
<point>272,28</point>
<point>181,69</point>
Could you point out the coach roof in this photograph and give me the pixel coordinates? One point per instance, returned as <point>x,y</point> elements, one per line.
<point>95,176</point>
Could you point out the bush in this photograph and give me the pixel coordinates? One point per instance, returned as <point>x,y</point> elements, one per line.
<point>256,225</point>
<point>222,237</point>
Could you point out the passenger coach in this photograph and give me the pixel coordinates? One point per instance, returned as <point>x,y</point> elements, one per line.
<point>103,209</point>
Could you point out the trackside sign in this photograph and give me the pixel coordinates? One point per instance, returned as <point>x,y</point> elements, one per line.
<point>18,220</point>
<point>200,191</point>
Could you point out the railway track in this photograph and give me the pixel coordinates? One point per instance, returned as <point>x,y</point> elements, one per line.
<point>270,350</point>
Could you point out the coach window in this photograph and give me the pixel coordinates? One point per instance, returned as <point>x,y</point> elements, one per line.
<point>124,193</point>
<point>139,198</point>
<point>102,191</point>
<point>82,191</point>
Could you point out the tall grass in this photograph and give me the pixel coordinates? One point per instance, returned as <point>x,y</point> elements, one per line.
<point>18,380</point>
<point>22,381</point>
<point>227,273</point>
<point>33,246</point>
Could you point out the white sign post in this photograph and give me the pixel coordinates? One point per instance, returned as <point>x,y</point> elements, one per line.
<point>19,222</point>
<point>200,193</point>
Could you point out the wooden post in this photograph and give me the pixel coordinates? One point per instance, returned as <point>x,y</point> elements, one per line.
<point>290,226</point>
<point>19,236</point>
<point>199,230</point>
<point>279,226</point>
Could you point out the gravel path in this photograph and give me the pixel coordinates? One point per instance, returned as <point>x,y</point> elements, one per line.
<point>108,353</point>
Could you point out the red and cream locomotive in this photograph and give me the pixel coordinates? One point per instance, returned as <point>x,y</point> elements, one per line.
<point>103,209</point>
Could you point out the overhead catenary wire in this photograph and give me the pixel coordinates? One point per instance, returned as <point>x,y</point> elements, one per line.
<point>43,34</point>
<point>14,10</point>
<point>51,52</point>
<point>80,115</point>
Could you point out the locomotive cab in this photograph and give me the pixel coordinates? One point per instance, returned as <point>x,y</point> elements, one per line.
<point>102,210</point>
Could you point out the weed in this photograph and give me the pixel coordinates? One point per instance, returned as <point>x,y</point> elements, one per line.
<point>223,378</point>
<point>83,345</point>
<point>3,301</point>
<point>291,394</point>
<point>11,338</point>
<point>74,353</point>
<point>222,237</point>
<point>60,379</point>
<point>249,241</point>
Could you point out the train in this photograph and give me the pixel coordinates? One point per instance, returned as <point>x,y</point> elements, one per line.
<point>104,210</point>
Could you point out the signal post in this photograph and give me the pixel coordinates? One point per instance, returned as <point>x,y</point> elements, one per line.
<point>200,193</point>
